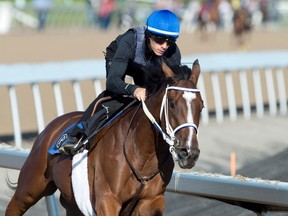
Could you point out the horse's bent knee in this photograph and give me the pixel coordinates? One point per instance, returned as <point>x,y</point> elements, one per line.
<point>154,207</point>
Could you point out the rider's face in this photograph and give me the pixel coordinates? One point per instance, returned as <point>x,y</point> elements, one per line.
<point>159,44</point>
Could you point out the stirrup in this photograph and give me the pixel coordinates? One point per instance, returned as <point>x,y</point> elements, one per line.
<point>79,147</point>
<point>68,145</point>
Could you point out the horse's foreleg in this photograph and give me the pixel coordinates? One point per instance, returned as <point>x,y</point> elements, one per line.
<point>151,207</point>
<point>154,207</point>
<point>107,206</point>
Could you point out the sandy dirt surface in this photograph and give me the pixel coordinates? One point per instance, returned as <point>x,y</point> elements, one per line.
<point>59,46</point>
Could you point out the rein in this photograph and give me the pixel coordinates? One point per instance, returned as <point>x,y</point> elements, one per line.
<point>169,136</point>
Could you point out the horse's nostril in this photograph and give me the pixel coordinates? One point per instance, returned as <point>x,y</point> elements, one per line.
<point>183,153</point>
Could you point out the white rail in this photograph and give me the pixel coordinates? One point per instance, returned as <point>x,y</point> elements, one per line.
<point>53,73</point>
<point>238,84</point>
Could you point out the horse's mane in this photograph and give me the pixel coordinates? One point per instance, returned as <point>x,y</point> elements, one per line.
<point>154,77</point>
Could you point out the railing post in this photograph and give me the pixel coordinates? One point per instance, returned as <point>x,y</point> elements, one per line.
<point>245,94</point>
<point>217,98</point>
<point>258,93</point>
<point>51,205</point>
<point>231,96</point>
<point>282,91</point>
<point>78,95</point>
<point>58,98</point>
<point>15,117</point>
<point>271,92</point>
<point>205,111</point>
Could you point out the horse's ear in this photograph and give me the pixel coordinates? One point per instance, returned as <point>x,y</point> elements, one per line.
<point>167,70</point>
<point>195,71</point>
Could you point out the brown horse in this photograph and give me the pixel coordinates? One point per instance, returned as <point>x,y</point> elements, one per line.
<point>208,18</point>
<point>129,160</point>
<point>241,25</point>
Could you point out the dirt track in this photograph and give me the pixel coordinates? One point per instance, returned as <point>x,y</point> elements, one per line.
<point>58,46</point>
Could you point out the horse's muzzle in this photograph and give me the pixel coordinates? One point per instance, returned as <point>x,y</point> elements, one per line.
<point>187,160</point>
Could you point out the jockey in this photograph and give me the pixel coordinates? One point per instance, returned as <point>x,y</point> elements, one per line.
<point>129,54</point>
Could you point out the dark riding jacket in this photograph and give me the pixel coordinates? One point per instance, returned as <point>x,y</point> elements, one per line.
<point>129,54</point>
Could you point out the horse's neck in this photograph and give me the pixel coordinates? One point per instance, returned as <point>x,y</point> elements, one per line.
<point>154,106</point>
<point>148,147</point>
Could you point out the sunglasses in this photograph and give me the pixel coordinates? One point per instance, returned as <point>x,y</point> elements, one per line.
<point>159,39</point>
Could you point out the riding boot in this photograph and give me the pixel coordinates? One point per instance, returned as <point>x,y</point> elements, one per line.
<point>73,137</point>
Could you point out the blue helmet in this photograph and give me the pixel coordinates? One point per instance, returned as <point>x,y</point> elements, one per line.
<point>163,22</point>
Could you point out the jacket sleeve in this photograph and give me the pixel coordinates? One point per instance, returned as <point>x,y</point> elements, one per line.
<point>124,54</point>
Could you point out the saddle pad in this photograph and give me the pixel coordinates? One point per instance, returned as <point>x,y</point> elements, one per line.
<point>54,148</point>
<point>80,183</point>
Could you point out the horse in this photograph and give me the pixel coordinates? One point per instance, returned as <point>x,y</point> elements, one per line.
<point>130,161</point>
<point>241,25</point>
<point>208,17</point>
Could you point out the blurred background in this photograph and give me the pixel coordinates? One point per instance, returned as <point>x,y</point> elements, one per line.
<point>29,15</point>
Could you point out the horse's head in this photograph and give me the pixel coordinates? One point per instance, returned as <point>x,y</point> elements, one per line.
<point>181,108</point>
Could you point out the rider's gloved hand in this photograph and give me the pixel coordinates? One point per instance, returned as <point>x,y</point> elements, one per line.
<point>140,94</point>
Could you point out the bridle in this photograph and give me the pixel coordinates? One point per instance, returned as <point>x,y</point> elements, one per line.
<point>169,136</point>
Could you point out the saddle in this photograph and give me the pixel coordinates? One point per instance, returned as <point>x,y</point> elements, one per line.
<point>106,109</point>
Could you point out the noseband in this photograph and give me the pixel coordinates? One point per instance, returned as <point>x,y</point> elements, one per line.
<point>169,136</point>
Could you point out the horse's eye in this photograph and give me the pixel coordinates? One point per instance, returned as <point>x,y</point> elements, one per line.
<point>171,104</point>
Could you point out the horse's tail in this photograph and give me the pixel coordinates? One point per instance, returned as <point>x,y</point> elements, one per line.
<point>9,183</point>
